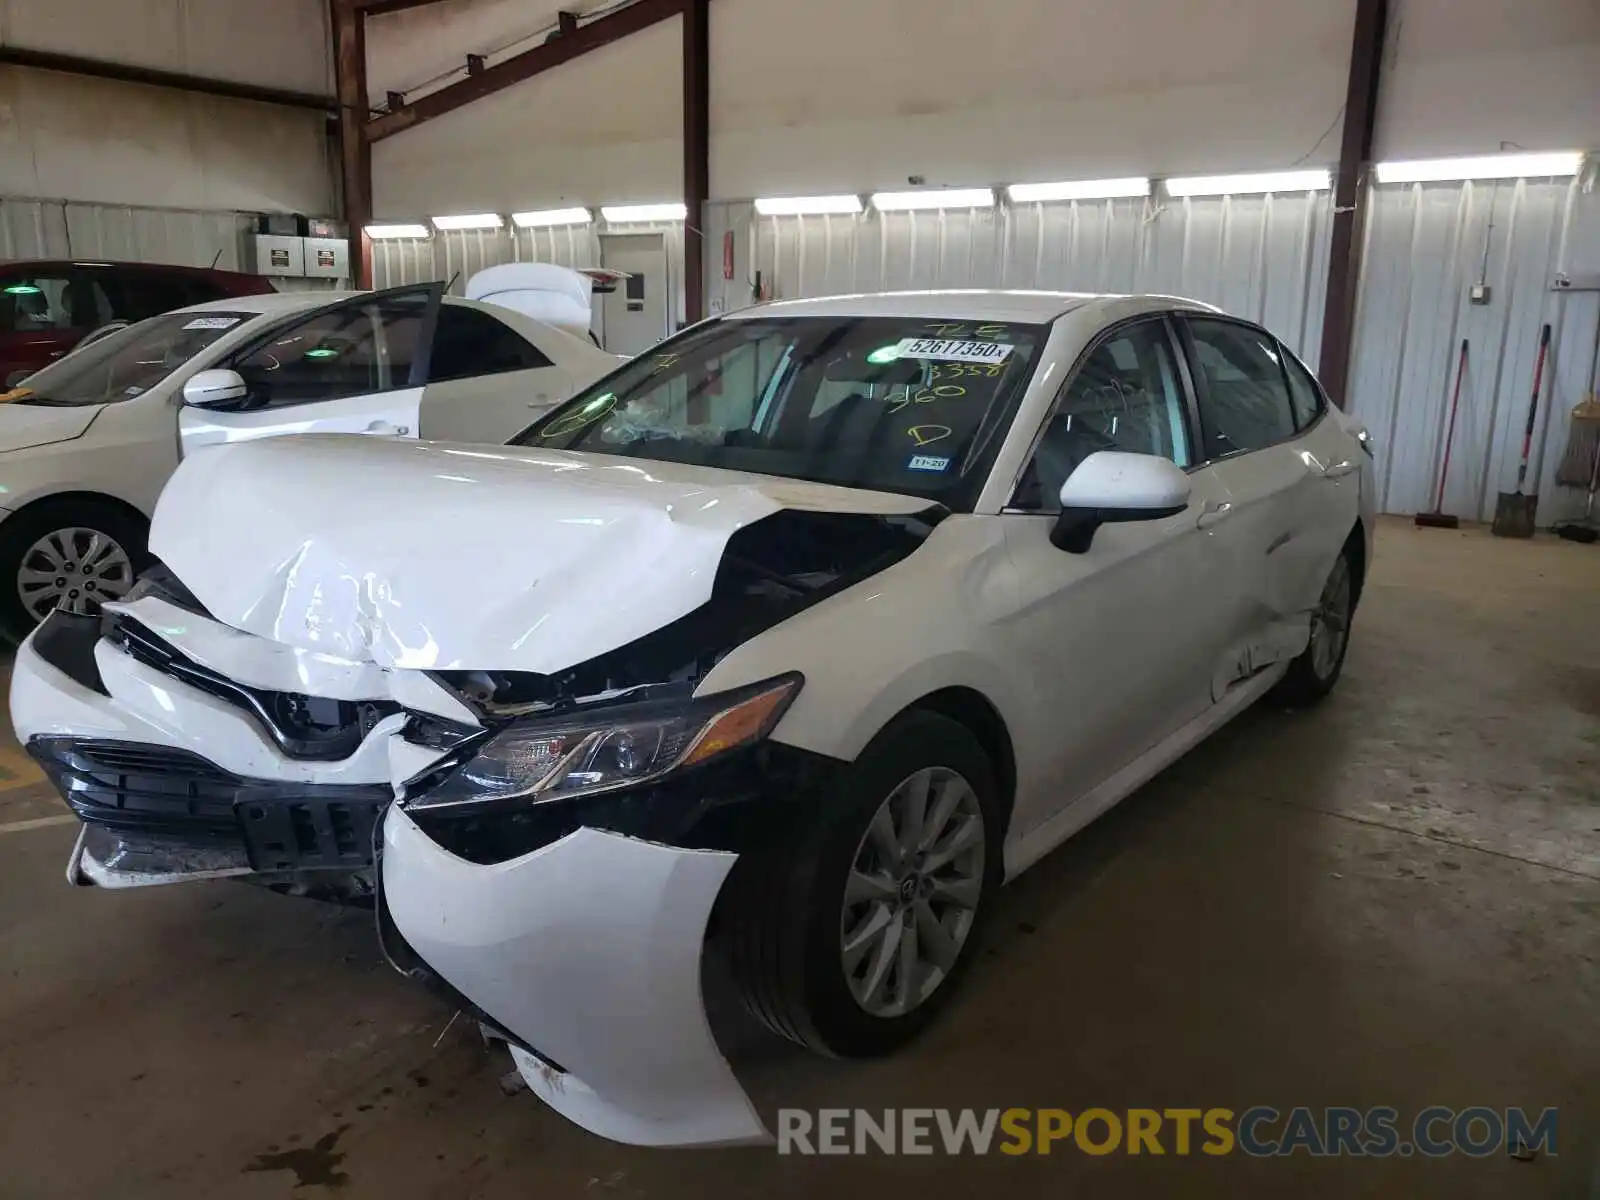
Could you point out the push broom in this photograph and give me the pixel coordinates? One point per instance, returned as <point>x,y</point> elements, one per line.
<point>1437,518</point>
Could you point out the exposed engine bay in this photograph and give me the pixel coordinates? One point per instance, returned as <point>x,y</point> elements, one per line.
<point>771,570</point>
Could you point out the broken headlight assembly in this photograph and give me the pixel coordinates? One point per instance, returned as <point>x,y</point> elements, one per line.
<point>535,760</point>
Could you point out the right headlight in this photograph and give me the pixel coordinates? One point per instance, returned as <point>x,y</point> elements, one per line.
<point>540,759</point>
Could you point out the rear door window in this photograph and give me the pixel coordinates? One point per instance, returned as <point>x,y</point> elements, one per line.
<point>1244,396</point>
<point>468,342</point>
<point>36,303</point>
<point>136,293</point>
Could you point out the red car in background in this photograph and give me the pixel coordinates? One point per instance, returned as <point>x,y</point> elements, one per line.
<point>47,308</point>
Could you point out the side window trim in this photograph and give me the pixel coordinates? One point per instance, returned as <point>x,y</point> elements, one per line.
<point>1191,415</point>
<point>1198,378</point>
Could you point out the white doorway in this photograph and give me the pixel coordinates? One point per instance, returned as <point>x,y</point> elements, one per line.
<point>635,317</point>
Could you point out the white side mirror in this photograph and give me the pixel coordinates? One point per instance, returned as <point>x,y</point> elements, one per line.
<point>1114,485</point>
<point>208,388</point>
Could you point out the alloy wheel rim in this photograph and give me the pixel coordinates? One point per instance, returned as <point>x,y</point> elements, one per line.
<point>71,569</point>
<point>913,891</point>
<point>1330,624</point>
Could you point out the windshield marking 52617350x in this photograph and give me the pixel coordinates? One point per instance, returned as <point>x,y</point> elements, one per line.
<point>839,400</point>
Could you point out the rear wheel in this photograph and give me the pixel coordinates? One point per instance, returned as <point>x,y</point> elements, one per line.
<point>70,554</point>
<point>851,938</point>
<point>1312,676</point>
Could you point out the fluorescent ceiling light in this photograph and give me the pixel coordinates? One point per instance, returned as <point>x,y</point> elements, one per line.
<point>622,214</point>
<point>801,206</point>
<point>1083,189</point>
<point>382,232</point>
<point>468,221</point>
<point>935,198</point>
<point>1488,166</point>
<point>551,216</point>
<point>1243,185</point>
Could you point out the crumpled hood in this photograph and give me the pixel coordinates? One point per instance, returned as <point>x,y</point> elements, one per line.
<point>23,426</point>
<point>437,556</point>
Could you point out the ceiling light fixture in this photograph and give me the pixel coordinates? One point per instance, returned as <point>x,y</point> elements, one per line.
<point>1254,184</point>
<point>939,198</point>
<point>545,217</point>
<point>468,221</point>
<point>379,233</point>
<point>1486,166</point>
<point>623,214</point>
<point>804,206</point>
<point>1084,189</point>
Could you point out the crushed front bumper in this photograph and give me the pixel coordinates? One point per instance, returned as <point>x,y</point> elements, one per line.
<point>588,952</point>
<point>176,784</point>
<point>585,950</point>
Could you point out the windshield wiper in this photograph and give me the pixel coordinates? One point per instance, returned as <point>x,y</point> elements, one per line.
<point>43,401</point>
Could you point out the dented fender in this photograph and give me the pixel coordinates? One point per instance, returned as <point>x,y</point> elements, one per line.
<point>588,950</point>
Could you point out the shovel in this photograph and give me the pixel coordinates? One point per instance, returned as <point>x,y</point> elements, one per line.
<point>1514,511</point>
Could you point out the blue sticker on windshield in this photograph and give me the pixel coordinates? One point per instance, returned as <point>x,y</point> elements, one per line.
<point>928,462</point>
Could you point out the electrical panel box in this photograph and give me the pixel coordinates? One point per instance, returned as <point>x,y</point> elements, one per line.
<point>327,258</point>
<point>279,255</point>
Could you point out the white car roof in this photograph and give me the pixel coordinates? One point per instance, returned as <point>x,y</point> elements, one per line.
<point>268,302</point>
<point>974,304</point>
<point>281,303</point>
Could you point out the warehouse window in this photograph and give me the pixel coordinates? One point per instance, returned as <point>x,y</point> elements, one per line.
<point>468,342</point>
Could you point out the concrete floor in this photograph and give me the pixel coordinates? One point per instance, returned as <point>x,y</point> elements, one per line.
<point>1394,899</point>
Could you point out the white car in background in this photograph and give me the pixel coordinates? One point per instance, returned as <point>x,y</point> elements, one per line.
<point>87,443</point>
<point>806,630</point>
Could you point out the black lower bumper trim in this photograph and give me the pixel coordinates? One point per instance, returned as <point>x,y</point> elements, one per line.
<point>175,794</point>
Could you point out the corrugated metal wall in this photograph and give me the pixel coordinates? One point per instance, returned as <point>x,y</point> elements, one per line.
<point>1264,257</point>
<point>456,255</point>
<point>1426,245</point>
<point>185,237</point>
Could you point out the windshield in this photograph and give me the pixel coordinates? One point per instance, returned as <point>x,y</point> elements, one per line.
<point>127,363</point>
<point>895,404</point>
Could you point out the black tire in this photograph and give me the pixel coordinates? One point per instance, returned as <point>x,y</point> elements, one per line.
<point>1305,683</point>
<point>783,908</point>
<point>27,527</point>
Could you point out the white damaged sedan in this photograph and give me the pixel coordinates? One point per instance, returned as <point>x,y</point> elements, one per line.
<point>794,638</point>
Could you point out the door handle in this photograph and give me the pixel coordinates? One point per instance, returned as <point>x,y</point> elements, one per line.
<point>384,429</point>
<point>1214,514</point>
<point>1339,469</point>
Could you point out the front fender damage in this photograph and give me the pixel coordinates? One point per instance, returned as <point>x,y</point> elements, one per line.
<point>587,952</point>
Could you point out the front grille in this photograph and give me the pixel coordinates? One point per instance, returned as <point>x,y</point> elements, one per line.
<point>304,727</point>
<point>178,794</point>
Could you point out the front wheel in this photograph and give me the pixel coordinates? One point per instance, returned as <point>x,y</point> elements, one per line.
<point>853,937</point>
<point>69,554</point>
<point>1312,676</point>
